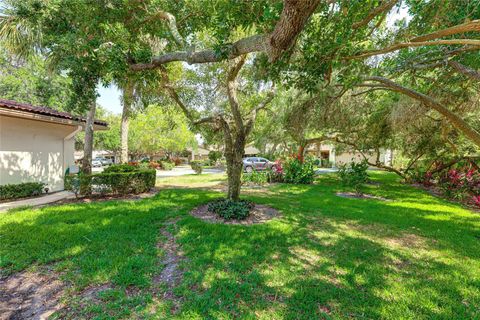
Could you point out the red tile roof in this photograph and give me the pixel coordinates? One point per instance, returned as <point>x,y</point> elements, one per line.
<point>9,104</point>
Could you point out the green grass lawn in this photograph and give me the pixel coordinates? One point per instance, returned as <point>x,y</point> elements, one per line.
<point>414,257</point>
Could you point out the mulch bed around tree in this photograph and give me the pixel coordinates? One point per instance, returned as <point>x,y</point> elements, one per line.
<point>353,195</point>
<point>259,214</point>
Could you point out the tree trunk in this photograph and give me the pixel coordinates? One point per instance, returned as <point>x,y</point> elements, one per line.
<point>88,144</point>
<point>127,104</point>
<point>301,152</point>
<point>234,151</point>
<point>88,147</point>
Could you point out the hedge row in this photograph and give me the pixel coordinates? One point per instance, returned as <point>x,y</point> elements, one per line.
<point>121,183</point>
<point>21,190</point>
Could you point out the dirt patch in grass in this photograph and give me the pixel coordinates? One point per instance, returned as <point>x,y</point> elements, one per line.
<point>259,214</point>
<point>30,295</point>
<point>100,198</point>
<point>353,195</point>
<point>171,274</point>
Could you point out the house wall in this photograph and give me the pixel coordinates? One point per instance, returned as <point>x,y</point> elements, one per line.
<point>34,151</point>
<point>347,157</point>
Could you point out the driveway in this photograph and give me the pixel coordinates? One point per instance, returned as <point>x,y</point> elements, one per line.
<point>184,170</point>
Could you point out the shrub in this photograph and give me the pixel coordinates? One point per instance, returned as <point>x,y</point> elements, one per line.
<point>120,182</point>
<point>214,156</point>
<point>154,165</point>
<point>176,161</point>
<point>196,166</point>
<point>256,177</point>
<point>298,171</point>
<point>21,190</point>
<point>166,165</point>
<point>354,175</point>
<point>229,209</point>
<point>120,168</point>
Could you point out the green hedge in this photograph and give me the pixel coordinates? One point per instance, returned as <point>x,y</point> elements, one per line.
<point>121,183</point>
<point>21,190</point>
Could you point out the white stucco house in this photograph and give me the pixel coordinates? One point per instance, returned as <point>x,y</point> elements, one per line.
<point>37,143</point>
<point>329,153</point>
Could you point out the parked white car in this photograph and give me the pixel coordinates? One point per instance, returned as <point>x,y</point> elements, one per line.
<point>96,163</point>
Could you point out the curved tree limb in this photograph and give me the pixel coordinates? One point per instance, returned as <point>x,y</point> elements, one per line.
<point>429,102</point>
<point>469,72</point>
<point>403,45</point>
<point>470,26</point>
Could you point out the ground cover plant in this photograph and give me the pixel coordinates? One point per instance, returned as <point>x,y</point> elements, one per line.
<point>415,257</point>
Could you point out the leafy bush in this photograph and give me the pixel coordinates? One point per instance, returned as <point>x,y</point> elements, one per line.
<point>21,190</point>
<point>176,161</point>
<point>121,183</point>
<point>354,175</point>
<point>154,165</point>
<point>166,165</point>
<point>256,177</point>
<point>275,174</point>
<point>229,209</point>
<point>196,166</point>
<point>298,171</point>
<point>120,168</point>
<point>214,156</point>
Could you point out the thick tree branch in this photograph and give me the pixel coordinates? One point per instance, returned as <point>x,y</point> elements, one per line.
<point>232,86</point>
<point>471,26</point>
<point>384,6</point>
<point>293,18</point>
<point>429,102</point>
<point>403,45</point>
<point>471,73</point>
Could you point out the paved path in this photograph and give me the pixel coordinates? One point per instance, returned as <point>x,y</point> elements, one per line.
<point>184,170</point>
<point>326,170</point>
<point>33,202</point>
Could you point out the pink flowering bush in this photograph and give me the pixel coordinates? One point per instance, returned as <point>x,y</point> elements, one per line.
<point>461,183</point>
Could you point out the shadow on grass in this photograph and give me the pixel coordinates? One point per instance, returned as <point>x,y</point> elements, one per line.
<point>414,257</point>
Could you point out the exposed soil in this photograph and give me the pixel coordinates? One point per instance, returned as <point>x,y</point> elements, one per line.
<point>353,195</point>
<point>171,274</point>
<point>30,295</point>
<point>99,198</point>
<point>259,214</point>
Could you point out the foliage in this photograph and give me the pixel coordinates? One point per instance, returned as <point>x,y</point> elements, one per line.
<point>297,171</point>
<point>197,166</point>
<point>229,209</point>
<point>275,174</point>
<point>354,175</point>
<point>120,168</point>
<point>21,190</point>
<point>121,182</point>
<point>176,161</point>
<point>29,81</point>
<point>256,177</point>
<point>159,129</point>
<point>214,156</point>
<point>167,165</point>
<point>461,183</point>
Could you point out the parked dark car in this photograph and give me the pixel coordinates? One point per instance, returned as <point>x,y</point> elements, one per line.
<point>256,163</point>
